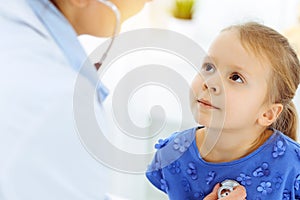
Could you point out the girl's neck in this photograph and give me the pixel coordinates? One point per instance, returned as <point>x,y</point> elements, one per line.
<point>227,145</point>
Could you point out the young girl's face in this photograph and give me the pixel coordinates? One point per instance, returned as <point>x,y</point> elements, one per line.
<point>231,88</point>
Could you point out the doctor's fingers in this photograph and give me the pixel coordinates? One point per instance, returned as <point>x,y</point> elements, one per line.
<point>214,194</point>
<point>239,193</point>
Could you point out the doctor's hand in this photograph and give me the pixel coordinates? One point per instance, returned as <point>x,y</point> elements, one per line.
<point>238,193</point>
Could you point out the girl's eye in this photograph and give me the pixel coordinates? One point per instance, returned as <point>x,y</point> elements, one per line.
<point>237,78</point>
<point>208,67</point>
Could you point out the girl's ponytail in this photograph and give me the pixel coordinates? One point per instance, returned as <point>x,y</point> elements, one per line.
<point>287,121</point>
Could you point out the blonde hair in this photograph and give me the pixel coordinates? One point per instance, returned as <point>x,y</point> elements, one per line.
<point>268,44</point>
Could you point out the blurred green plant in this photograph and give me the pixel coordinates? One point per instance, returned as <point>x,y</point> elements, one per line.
<point>184,9</point>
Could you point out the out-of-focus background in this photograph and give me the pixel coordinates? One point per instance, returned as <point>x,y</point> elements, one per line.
<point>205,21</point>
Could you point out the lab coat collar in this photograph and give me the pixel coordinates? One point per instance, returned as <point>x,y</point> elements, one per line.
<point>66,38</point>
<point>20,12</point>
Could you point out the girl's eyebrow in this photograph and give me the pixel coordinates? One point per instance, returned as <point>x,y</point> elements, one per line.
<point>241,69</point>
<point>208,58</point>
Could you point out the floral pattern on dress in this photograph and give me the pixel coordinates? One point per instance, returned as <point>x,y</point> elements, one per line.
<point>286,195</point>
<point>244,179</point>
<point>198,195</point>
<point>174,167</point>
<point>210,177</point>
<point>186,185</point>
<point>161,143</point>
<point>155,173</point>
<point>154,166</point>
<point>154,169</point>
<point>181,144</point>
<point>192,171</point>
<point>263,170</point>
<point>278,149</point>
<point>297,183</point>
<point>164,185</point>
<point>277,181</point>
<point>265,187</point>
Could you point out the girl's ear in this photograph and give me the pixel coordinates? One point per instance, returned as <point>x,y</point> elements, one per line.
<point>270,115</point>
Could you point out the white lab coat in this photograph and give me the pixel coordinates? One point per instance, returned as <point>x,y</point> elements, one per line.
<point>41,156</point>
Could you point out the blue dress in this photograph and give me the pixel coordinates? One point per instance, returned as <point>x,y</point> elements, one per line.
<point>270,172</point>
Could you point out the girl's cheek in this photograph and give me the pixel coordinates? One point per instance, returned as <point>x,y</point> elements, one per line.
<point>196,84</point>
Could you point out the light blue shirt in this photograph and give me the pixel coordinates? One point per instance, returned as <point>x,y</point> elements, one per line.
<point>41,154</point>
<point>66,38</point>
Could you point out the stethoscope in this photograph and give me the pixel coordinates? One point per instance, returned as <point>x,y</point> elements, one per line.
<point>227,186</point>
<point>116,11</point>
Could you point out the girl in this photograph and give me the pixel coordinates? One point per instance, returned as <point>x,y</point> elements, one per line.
<point>243,98</point>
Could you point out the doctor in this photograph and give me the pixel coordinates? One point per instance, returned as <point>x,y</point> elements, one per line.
<point>41,156</point>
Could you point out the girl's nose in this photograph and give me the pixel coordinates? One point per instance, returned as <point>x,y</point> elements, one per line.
<point>212,86</point>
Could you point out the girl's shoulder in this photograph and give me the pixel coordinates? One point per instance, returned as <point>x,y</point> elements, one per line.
<point>284,146</point>
<point>182,137</point>
<point>282,137</point>
<point>172,148</point>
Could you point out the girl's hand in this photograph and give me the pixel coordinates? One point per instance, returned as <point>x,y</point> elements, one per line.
<point>238,193</point>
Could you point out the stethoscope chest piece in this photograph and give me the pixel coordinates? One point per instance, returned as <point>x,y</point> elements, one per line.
<point>227,186</point>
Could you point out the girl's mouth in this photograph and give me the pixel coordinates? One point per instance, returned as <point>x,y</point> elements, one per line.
<point>206,104</point>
